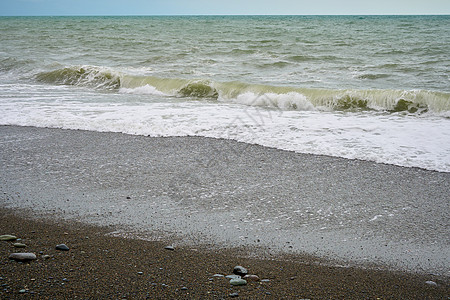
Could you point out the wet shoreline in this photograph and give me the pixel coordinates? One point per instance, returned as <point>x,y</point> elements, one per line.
<point>230,194</point>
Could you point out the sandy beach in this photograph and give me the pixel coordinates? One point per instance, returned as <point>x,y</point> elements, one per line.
<point>317,227</point>
<point>99,266</point>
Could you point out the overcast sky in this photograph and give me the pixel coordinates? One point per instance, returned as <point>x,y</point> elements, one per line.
<point>225,7</point>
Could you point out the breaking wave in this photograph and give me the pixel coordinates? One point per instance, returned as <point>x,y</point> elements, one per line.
<point>100,78</point>
<point>281,97</point>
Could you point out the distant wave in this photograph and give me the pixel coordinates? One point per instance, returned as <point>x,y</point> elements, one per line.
<point>281,97</point>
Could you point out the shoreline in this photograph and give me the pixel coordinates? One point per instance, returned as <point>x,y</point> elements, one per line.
<point>102,266</point>
<point>231,195</point>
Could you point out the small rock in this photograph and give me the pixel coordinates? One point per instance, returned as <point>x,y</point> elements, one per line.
<point>62,247</point>
<point>7,237</point>
<point>265,280</point>
<point>19,245</point>
<point>239,270</point>
<point>432,283</point>
<point>238,281</point>
<point>233,276</point>
<point>23,257</point>
<point>184,288</point>
<point>46,256</point>
<point>171,248</point>
<point>22,291</point>
<point>218,275</point>
<point>234,295</point>
<point>251,277</point>
<point>140,273</point>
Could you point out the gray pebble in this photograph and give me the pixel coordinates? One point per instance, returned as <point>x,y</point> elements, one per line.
<point>7,237</point>
<point>22,257</point>
<point>432,283</point>
<point>62,247</point>
<point>239,270</point>
<point>234,295</point>
<point>238,281</point>
<point>171,248</point>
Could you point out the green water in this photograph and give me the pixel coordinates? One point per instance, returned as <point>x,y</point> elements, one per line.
<point>382,52</point>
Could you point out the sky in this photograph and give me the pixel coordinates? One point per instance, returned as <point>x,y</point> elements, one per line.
<point>224,7</point>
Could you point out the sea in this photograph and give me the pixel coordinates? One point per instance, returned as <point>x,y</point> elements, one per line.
<point>373,88</point>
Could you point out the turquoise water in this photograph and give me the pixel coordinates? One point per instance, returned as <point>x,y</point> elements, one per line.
<point>366,87</point>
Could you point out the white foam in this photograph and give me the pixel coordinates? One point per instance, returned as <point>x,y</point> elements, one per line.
<point>142,90</point>
<point>398,139</point>
<point>287,101</point>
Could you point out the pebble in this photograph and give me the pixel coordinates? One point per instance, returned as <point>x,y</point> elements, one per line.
<point>234,295</point>
<point>45,256</point>
<point>19,245</point>
<point>62,247</point>
<point>22,256</point>
<point>169,248</point>
<point>218,275</point>
<point>22,291</point>
<point>238,281</point>
<point>233,276</point>
<point>140,273</point>
<point>239,270</point>
<point>251,277</point>
<point>432,283</point>
<point>265,280</point>
<point>184,288</point>
<point>7,237</point>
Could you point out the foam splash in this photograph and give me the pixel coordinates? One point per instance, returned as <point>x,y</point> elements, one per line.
<point>288,101</point>
<point>142,90</point>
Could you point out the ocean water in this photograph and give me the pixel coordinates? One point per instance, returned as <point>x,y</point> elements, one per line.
<point>373,88</point>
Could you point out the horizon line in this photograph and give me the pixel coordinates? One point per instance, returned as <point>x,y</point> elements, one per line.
<point>220,15</point>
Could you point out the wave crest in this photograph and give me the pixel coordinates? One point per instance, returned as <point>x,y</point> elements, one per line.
<point>282,97</point>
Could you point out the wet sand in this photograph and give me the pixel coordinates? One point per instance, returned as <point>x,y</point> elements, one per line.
<point>99,266</point>
<point>219,194</point>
